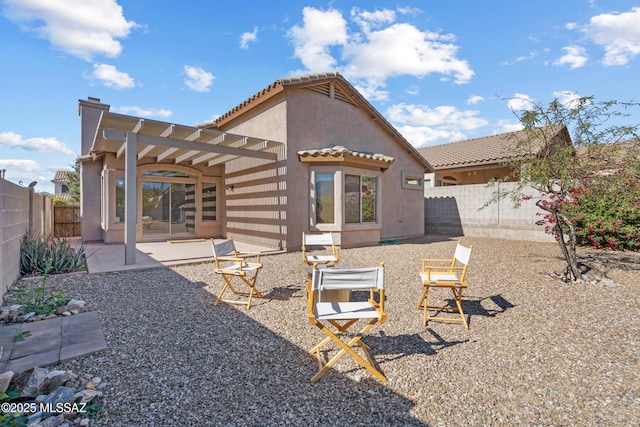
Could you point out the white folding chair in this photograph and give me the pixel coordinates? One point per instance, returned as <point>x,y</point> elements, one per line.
<point>445,273</point>
<point>230,263</point>
<point>334,318</point>
<point>314,242</point>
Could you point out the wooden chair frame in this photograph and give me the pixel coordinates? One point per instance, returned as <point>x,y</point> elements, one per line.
<point>315,240</point>
<point>230,263</point>
<point>445,273</point>
<point>335,318</point>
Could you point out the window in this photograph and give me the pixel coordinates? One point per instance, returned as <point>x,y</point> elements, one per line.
<point>208,202</point>
<point>64,189</point>
<point>325,198</point>
<point>361,198</point>
<point>412,181</point>
<point>119,200</point>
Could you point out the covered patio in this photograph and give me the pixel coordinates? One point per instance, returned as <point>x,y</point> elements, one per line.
<point>150,181</point>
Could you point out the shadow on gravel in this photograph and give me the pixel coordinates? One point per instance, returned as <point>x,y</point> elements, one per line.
<point>480,306</point>
<point>391,347</point>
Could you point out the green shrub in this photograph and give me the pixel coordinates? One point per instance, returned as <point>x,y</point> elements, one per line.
<point>608,215</point>
<point>47,254</point>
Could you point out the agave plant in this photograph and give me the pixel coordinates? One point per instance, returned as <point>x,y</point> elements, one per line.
<point>47,254</point>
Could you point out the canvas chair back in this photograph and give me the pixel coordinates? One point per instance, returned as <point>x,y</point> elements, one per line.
<point>338,279</point>
<point>223,249</point>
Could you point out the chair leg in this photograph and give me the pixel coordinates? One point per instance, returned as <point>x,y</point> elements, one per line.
<point>252,290</point>
<point>426,305</point>
<point>423,298</point>
<point>457,295</point>
<point>347,348</point>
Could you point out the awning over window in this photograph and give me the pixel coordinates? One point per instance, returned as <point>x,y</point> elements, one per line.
<point>338,154</point>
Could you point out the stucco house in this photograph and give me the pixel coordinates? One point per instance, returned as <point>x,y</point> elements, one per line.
<point>308,153</point>
<point>481,160</point>
<point>61,190</point>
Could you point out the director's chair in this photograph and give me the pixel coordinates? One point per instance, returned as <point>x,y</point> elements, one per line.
<point>230,263</point>
<point>314,242</point>
<point>335,318</point>
<point>445,273</point>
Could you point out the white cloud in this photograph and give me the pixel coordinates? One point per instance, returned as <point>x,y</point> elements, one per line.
<point>402,49</point>
<point>505,126</point>
<point>474,99</point>
<point>367,20</point>
<point>413,90</point>
<point>320,31</point>
<point>381,49</point>
<point>618,34</point>
<point>145,112</point>
<point>14,140</point>
<point>520,102</point>
<point>247,38</point>
<point>19,167</point>
<point>421,124</point>
<point>109,76</point>
<point>571,26</point>
<point>83,28</point>
<point>575,57</point>
<point>198,79</point>
<point>567,98</point>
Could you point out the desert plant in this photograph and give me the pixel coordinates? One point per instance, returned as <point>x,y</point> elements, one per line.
<point>37,250</point>
<point>588,147</point>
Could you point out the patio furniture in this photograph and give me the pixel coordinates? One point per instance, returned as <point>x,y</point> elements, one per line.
<point>230,263</point>
<point>335,318</point>
<point>445,273</point>
<point>313,242</point>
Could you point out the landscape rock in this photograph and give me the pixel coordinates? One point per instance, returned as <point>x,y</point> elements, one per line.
<point>5,380</point>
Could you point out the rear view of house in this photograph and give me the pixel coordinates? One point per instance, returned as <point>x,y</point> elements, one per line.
<point>304,154</point>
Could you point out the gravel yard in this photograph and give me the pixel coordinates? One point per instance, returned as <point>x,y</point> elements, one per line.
<point>537,352</point>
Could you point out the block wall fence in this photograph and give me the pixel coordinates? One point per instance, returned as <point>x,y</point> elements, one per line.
<point>455,211</point>
<point>17,206</point>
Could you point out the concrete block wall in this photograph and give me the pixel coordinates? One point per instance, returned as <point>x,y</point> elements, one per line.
<point>455,210</point>
<point>14,223</point>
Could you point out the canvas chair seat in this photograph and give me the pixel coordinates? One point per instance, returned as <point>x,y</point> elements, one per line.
<point>237,269</point>
<point>230,264</point>
<point>445,273</point>
<point>335,318</point>
<point>321,259</point>
<point>315,242</point>
<point>345,310</point>
<point>434,278</point>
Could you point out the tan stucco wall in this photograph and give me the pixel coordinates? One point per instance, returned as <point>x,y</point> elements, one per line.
<point>302,120</point>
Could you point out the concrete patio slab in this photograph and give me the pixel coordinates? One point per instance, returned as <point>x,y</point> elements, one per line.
<point>103,258</point>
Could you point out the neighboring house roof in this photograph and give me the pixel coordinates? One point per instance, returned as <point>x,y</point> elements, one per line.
<point>493,149</point>
<point>320,82</point>
<point>341,153</point>
<point>60,177</point>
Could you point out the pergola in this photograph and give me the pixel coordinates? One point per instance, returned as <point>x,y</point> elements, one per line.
<point>167,143</point>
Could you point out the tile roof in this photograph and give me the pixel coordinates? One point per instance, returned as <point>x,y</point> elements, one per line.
<point>320,82</point>
<point>493,149</point>
<point>60,177</point>
<point>342,151</point>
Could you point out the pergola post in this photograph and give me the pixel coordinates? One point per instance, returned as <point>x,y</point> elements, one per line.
<point>131,185</point>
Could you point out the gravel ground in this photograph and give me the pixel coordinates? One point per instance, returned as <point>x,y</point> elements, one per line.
<point>538,351</point>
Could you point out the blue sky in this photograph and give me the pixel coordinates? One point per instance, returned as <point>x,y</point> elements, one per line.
<point>438,71</point>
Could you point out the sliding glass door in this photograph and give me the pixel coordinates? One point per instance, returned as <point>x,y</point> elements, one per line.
<point>168,210</point>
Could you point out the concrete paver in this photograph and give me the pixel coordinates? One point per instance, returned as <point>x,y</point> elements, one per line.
<point>51,341</point>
